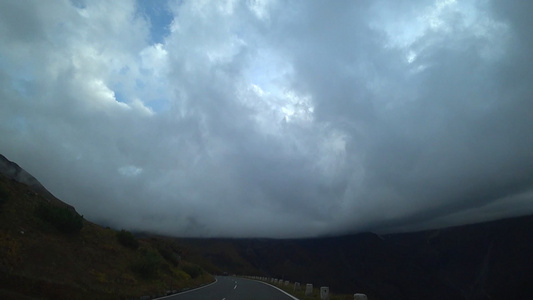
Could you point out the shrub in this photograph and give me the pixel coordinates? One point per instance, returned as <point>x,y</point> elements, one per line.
<point>169,255</point>
<point>62,218</point>
<point>193,270</point>
<point>148,264</point>
<point>126,239</point>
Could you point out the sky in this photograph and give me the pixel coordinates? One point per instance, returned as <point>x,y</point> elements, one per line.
<point>274,119</point>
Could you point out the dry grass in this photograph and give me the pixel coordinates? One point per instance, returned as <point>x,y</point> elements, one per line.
<point>37,260</point>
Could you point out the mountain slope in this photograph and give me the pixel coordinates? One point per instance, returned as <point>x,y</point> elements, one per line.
<point>40,260</point>
<point>481,261</point>
<point>15,172</point>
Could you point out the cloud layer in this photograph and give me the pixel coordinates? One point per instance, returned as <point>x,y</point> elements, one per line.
<point>272,118</point>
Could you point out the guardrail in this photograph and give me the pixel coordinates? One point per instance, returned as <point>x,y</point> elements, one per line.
<point>324,290</point>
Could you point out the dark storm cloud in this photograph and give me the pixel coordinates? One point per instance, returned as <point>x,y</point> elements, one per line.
<point>450,141</point>
<point>272,118</point>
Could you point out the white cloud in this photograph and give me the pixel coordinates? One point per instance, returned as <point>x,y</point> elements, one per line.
<point>130,171</point>
<point>155,58</point>
<point>271,119</point>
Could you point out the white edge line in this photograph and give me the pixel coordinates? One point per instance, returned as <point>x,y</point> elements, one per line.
<point>276,289</point>
<point>187,291</point>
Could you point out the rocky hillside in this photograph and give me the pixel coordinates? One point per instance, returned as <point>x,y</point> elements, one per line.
<point>482,261</point>
<point>14,172</point>
<point>49,251</point>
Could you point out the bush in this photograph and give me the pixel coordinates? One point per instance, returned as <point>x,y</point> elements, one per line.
<point>169,255</point>
<point>126,239</point>
<point>148,264</point>
<point>62,218</point>
<point>193,270</point>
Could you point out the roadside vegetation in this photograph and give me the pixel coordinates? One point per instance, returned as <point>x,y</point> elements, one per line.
<point>148,264</point>
<point>48,251</point>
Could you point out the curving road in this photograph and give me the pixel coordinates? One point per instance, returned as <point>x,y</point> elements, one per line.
<point>233,288</point>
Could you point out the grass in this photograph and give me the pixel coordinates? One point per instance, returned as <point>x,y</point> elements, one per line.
<point>38,260</point>
<point>64,219</point>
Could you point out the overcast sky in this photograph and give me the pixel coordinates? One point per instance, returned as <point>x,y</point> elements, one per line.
<point>272,118</point>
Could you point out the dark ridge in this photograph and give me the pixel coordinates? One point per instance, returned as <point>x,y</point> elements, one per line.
<point>14,172</point>
<point>489,260</point>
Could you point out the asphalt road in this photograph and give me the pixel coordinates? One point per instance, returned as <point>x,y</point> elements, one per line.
<point>233,288</point>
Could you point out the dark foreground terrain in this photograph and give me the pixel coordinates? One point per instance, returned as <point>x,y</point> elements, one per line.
<point>482,261</point>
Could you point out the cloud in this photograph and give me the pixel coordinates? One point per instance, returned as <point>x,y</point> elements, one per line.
<point>272,118</point>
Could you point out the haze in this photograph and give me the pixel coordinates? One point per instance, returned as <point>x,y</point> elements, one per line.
<point>272,118</point>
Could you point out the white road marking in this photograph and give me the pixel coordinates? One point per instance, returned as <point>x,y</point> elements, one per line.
<point>235,287</point>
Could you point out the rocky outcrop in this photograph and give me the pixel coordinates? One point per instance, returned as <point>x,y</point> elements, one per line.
<point>14,172</point>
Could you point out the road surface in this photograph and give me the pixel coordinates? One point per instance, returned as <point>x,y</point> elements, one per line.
<point>233,288</point>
